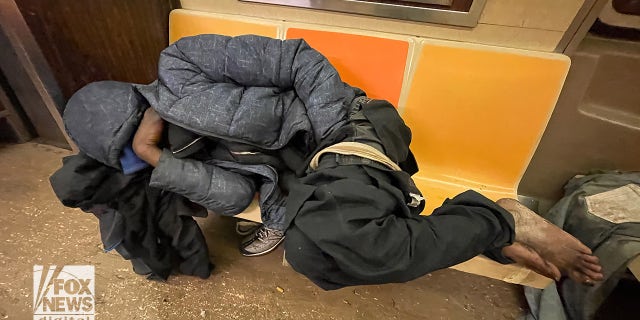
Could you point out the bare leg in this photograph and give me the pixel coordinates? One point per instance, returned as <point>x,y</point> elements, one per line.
<point>552,244</point>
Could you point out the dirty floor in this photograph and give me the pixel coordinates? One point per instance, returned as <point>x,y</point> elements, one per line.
<point>36,229</point>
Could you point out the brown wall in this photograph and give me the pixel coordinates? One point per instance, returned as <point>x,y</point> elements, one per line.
<point>28,77</point>
<point>86,41</point>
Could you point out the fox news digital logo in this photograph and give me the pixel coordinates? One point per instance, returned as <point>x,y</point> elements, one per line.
<point>63,293</point>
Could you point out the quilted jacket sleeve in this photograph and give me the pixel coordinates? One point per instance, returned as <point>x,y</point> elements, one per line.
<point>219,190</point>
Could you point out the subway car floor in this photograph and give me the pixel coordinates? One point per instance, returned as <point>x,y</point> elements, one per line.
<point>35,229</point>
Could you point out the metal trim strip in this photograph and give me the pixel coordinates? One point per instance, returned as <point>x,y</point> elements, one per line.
<point>394,11</point>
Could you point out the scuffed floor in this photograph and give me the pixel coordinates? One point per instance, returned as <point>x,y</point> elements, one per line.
<point>36,229</point>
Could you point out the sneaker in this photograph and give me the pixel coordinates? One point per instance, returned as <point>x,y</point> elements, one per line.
<point>263,241</point>
<point>245,228</point>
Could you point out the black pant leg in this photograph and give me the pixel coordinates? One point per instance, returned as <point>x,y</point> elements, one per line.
<point>355,228</point>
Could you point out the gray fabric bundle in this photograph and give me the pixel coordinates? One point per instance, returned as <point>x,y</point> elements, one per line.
<point>250,89</point>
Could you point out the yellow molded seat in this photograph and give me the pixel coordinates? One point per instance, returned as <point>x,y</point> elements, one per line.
<point>185,23</point>
<point>477,114</point>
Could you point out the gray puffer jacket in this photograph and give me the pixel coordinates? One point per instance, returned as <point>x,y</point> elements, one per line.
<point>102,118</point>
<point>249,89</point>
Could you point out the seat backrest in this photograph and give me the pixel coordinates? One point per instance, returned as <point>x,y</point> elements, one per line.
<point>478,112</point>
<point>377,66</point>
<point>374,64</point>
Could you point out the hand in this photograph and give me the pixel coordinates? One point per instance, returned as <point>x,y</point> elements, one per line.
<point>149,133</point>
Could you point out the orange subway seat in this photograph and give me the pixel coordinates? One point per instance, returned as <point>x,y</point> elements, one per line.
<point>376,65</point>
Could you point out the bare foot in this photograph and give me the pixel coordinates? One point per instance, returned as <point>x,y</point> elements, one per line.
<point>524,255</point>
<point>553,244</point>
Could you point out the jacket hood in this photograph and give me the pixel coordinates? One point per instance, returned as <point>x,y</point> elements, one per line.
<point>102,117</point>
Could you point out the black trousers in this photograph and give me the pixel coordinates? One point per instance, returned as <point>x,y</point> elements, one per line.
<point>350,225</point>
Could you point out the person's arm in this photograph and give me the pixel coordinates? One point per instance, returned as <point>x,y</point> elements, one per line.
<point>217,189</point>
<point>145,141</point>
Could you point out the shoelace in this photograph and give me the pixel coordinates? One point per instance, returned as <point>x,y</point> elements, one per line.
<point>264,233</point>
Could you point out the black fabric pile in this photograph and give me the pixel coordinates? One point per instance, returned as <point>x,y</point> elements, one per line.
<point>151,227</point>
<point>354,222</point>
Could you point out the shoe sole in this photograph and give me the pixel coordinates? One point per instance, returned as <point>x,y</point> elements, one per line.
<point>248,254</point>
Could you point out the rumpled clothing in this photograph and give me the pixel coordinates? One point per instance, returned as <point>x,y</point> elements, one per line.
<point>601,210</point>
<point>216,180</point>
<point>145,223</point>
<point>151,227</point>
<point>354,221</point>
<point>265,98</point>
<point>250,89</point>
<point>353,227</point>
<point>268,106</point>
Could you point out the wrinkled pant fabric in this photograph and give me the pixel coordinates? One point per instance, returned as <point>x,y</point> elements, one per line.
<point>615,244</point>
<point>352,227</point>
<point>354,221</point>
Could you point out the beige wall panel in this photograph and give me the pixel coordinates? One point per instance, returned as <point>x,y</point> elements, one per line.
<point>553,15</point>
<point>507,23</point>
